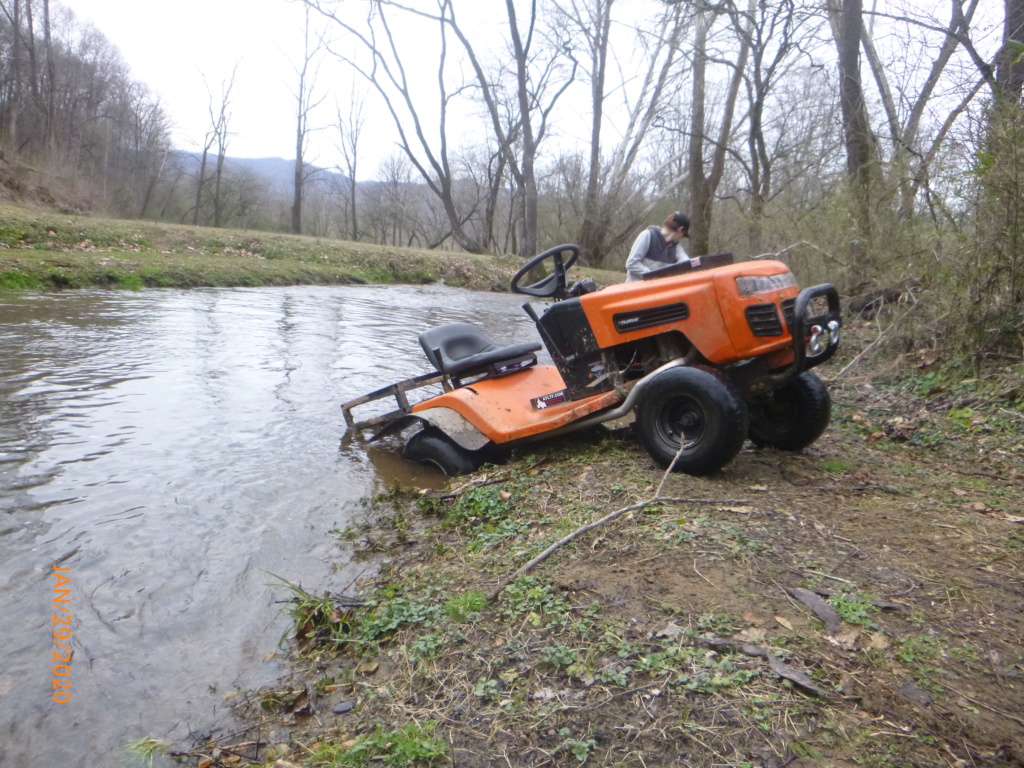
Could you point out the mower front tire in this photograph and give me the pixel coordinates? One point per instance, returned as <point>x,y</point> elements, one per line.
<point>793,416</point>
<point>432,446</point>
<point>696,409</point>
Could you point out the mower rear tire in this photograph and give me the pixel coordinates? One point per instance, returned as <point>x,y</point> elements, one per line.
<point>432,446</point>
<point>694,408</point>
<point>793,416</point>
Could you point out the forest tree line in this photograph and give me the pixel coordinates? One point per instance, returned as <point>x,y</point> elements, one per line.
<point>864,143</point>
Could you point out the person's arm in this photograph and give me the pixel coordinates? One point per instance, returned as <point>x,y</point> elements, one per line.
<point>634,262</point>
<point>681,254</point>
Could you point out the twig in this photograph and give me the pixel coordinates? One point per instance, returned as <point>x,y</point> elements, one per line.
<point>826,576</point>
<point>881,336</point>
<point>701,574</point>
<point>606,519</point>
<point>562,542</point>
<point>980,703</point>
<point>1013,413</point>
<point>473,484</point>
<point>656,499</point>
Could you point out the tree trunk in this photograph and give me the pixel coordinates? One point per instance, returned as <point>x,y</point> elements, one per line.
<point>856,129</point>
<point>1010,69</point>
<point>297,197</point>
<point>593,227</point>
<point>700,200</point>
<point>529,179</point>
<point>50,131</point>
<point>218,203</point>
<point>199,186</point>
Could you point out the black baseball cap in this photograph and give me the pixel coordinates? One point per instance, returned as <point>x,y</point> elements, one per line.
<point>679,221</point>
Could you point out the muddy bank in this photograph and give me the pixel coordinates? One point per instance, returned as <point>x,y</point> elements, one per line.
<point>854,604</point>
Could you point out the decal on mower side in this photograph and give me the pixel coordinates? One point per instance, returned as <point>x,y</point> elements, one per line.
<point>545,401</point>
<point>647,318</point>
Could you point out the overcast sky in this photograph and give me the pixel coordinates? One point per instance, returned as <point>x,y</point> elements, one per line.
<point>173,46</point>
<point>183,48</point>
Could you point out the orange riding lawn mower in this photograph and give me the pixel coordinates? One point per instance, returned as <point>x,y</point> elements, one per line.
<point>704,353</point>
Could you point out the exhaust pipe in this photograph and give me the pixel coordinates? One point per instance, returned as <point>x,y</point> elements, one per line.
<point>624,408</point>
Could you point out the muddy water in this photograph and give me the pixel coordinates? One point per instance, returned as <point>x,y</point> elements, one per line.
<point>171,449</point>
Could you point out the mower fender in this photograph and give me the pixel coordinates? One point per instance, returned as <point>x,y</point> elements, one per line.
<point>456,426</point>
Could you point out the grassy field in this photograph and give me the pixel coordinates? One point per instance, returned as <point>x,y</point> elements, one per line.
<point>45,250</point>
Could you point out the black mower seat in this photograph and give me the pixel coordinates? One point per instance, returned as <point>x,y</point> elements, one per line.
<point>461,349</point>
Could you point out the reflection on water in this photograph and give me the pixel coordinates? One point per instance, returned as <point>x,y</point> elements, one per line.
<point>172,449</point>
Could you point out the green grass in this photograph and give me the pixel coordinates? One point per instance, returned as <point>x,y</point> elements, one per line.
<point>46,250</point>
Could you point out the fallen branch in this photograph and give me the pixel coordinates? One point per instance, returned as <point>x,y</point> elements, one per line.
<point>656,499</point>
<point>479,483</point>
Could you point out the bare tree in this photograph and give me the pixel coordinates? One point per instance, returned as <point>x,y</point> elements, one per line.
<point>539,83</point>
<point>217,138</point>
<point>305,102</point>
<point>350,130</point>
<point>777,36</point>
<point>386,73</point>
<point>846,17</point>
<point>904,118</point>
<point>656,47</point>
<point>536,81</point>
<point>704,183</point>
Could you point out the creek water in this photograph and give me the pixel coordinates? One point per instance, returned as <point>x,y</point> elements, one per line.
<point>171,450</point>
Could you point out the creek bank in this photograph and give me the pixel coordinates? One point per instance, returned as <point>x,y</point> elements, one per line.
<point>689,631</point>
<point>46,250</point>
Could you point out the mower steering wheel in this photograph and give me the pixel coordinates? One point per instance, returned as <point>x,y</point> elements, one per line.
<point>553,286</point>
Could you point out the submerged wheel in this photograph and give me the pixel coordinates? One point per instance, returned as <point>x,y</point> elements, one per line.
<point>432,446</point>
<point>696,409</point>
<point>793,416</point>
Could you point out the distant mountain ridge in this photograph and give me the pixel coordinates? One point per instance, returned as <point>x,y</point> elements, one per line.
<point>278,172</point>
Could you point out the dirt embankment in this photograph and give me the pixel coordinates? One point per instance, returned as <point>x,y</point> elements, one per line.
<point>855,604</point>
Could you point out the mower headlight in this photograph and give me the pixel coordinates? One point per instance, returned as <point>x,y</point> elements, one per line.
<point>749,286</point>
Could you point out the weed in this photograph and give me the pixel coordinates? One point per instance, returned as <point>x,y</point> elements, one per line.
<point>854,608</point>
<point>315,619</point>
<point>348,533</point>
<point>718,673</point>
<point>920,649</point>
<point>478,505</point>
<point>486,689</point>
<point>16,280</point>
<point>741,542</point>
<point>560,656</point>
<point>534,597</point>
<point>411,745</point>
<point>836,466</point>
<point>146,749</point>
<point>466,605</point>
<point>614,675</point>
<point>580,748</point>
<point>674,532</point>
<point>1015,542</point>
<point>719,623</point>
<point>425,647</point>
<point>388,615</point>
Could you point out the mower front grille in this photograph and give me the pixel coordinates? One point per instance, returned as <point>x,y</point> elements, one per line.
<point>647,318</point>
<point>763,320</point>
<point>789,312</point>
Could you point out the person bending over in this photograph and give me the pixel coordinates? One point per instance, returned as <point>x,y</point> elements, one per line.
<point>658,247</point>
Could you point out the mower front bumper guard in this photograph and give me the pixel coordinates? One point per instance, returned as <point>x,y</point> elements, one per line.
<point>815,339</point>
